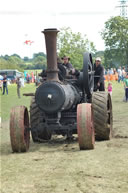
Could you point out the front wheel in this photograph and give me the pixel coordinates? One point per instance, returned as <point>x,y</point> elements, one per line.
<point>19,129</point>
<point>85,127</point>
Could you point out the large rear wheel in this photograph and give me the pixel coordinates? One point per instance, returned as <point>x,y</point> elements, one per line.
<point>85,128</point>
<point>102,111</point>
<point>19,129</point>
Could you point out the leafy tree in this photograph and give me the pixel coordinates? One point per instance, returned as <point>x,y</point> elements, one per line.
<point>6,57</point>
<point>73,45</point>
<point>10,62</point>
<point>26,59</point>
<point>114,58</point>
<point>16,55</point>
<point>39,54</point>
<point>39,61</point>
<point>115,35</point>
<point>15,62</point>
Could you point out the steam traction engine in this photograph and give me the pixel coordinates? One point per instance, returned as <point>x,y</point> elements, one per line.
<point>64,104</point>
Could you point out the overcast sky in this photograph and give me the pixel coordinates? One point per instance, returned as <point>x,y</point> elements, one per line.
<point>25,19</point>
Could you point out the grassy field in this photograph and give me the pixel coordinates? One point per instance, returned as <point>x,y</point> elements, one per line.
<point>59,166</point>
<point>10,100</point>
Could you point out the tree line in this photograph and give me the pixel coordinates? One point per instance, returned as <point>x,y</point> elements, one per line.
<point>38,61</point>
<point>114,34</point>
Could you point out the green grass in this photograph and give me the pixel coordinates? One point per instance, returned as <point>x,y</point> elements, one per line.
<point>120,110</point>
<point>59,166</point>
<point>10,100</point>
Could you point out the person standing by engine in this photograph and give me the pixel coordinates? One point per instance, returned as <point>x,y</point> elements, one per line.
<point>5,86</point>
<point>1,85</point>
<point>119,74</point>
<point>98,75</point>
<point>18,82</point>
<point>126,86</point>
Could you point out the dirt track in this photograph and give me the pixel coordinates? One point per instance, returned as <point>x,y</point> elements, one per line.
<point>59,166</point>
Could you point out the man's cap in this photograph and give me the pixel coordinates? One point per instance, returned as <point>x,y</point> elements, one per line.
<point>98,59</point>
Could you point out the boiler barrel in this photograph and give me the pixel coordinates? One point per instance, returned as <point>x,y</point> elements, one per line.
<point>52,97</point>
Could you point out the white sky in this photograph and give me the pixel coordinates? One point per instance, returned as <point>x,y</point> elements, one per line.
<point>25,19</point>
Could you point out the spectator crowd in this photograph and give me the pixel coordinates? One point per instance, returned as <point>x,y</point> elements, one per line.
<point>109,75</point>
<point>115,74</point>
